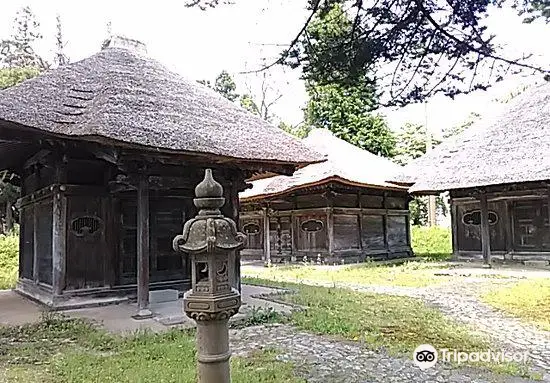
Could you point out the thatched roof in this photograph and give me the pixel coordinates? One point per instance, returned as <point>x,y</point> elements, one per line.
<point>513,147</point>
<point>120,96</point>
<point>345,163</point>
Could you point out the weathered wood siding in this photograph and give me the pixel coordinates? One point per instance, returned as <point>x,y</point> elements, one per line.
<point>373,234</point>
<point>469,228</point>
<point>44,212</point>
<point>518,221</point>
<point>346,232</point>
<point>26,248</point>
<point>333,221</point>
<point>87,254</point>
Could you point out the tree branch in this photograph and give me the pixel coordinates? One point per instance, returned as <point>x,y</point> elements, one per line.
<point>292,43</point>
<point>470,47</point>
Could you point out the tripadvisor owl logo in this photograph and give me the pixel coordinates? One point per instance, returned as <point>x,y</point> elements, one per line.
<point>425,356</point>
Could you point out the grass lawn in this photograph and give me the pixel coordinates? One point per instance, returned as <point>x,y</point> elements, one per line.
<point>411,274</point>
<point>528,300</point>
<point>432,242</point>
<point>59,351</point>
<point>397,324</point>
<point>9,259</point>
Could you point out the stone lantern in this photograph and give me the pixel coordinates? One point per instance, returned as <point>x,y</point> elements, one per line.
<point>210,239</point>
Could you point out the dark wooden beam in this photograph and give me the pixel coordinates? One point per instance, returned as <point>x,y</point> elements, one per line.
<point>59,238</point>
<point>508,225</point>
<point>385,225</point>
<point>37,158</point>
<point>267,244</point>
<point>35,248</point>
<point>236,185</point>
<point>485,230</point>
<point>454,228</point>
<point>143,249</point>
<point>108,154</point>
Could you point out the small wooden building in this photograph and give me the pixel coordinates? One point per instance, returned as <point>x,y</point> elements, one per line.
<point>341,210</point>
<point>498,175</point>
<point>108,151</point>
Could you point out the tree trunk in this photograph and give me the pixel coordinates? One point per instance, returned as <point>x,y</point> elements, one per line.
<point>9,217</point>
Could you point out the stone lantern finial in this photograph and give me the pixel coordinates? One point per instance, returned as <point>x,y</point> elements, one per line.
<point>209,195</point>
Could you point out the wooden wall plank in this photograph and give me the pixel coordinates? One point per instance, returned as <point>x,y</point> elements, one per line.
<point>143,248</point>
<point>485,233</point>
<point>59,245</point>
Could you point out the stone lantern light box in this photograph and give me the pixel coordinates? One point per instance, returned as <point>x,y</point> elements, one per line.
<point>209,239</point>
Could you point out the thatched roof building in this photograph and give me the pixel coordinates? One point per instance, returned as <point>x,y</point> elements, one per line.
<point>345,163</point>
<point>341,209</point>
<point>108,151</point>
<point>121,97</point>
<point>498,175</point>
<point>509,148</point>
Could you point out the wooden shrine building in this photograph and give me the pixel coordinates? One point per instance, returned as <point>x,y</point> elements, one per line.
<point>108,151</point>
<point>498,176</point>
<point>340,210</point>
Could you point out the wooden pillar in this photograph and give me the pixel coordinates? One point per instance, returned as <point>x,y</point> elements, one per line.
<point>143,311</point>
<point>35,248</point>
<point>485,232</point>
<point>59,238</point>
<point>548,201</point>
<point>408,234</point>
<point>330,221</point>
<point>267,242</point>
<point>330,230</point>
<point>508,224</point>
<point>385,226</point>
<point>9,217</point>
<point>235,210</point>
<point>454,228</point>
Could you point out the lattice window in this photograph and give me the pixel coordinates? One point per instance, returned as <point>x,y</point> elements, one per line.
<point>473,217</point>
<point>85,226</point>
<point>312,225</point>
<point>251,228</point>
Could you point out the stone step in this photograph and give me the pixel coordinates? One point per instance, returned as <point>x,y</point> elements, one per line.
<point>535,263</point>
<point>161,296</point>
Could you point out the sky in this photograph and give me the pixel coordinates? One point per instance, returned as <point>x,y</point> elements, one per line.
<point>244,36</point>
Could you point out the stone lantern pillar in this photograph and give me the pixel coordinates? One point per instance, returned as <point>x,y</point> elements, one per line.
<point>209,239</point>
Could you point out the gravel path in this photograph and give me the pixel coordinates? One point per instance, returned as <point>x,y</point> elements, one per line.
<point>322,359</point>
<point>460,300</point>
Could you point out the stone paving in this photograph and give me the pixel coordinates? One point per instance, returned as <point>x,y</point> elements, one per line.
<point>460,299</point>
<point>322,359</point>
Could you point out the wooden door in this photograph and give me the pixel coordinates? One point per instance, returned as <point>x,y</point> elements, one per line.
<point>312,233</point>
<point>530,225</point>
<point>167,218</point>
<point>280,235</point>
<point>86,246</point>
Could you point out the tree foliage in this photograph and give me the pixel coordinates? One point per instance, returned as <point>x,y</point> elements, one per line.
<point>345,108</point>
<point>300,130</point>
<point>260,105</point>
<point>18,62</point>
<point>412,142</point>
<point>60,43</point>
<point>13,76</point>
<point>225,85</point>
<point>344,111</point>
<point>421,47</point>
<point>18,51</point>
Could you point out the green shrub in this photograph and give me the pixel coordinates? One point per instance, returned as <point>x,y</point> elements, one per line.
<point>9,260</point>
<point>431,242</point>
